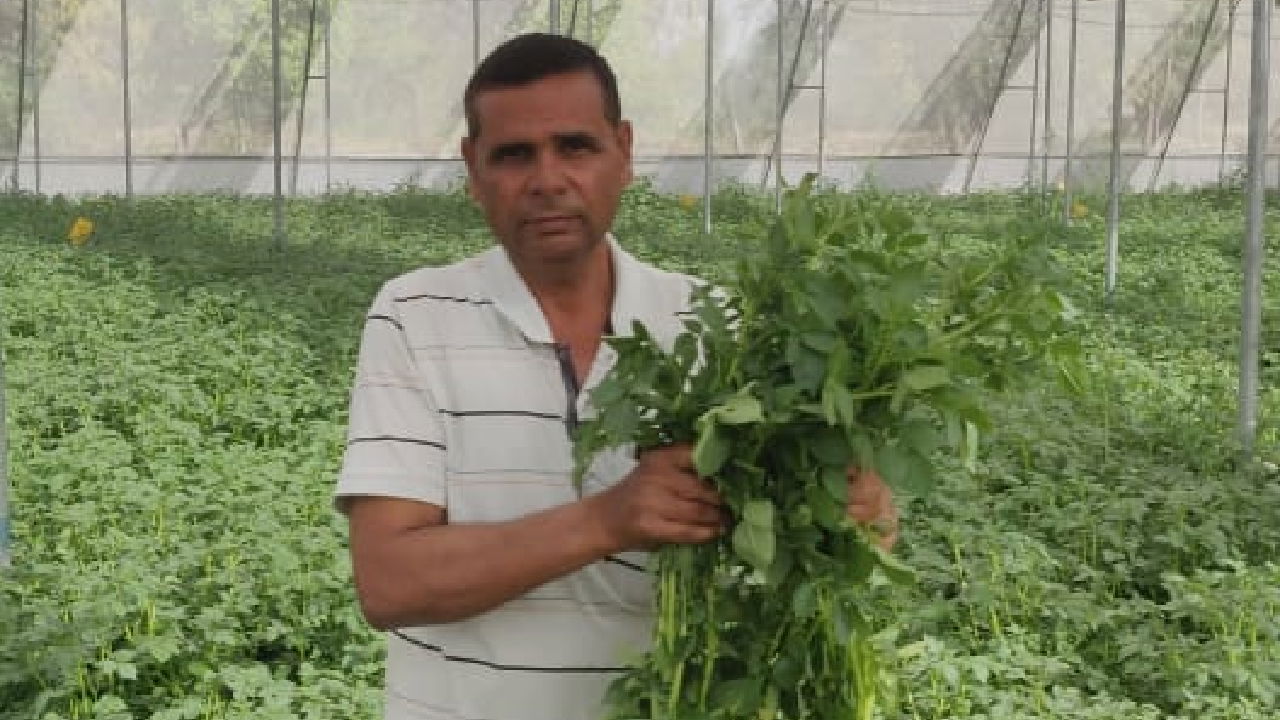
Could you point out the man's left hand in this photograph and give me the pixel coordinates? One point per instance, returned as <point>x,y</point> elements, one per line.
<point>871,504</point>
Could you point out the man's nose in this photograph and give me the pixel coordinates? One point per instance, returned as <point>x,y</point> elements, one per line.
<point>549,176</point>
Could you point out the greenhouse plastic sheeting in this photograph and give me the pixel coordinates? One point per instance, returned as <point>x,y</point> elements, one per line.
<point>931,94</point>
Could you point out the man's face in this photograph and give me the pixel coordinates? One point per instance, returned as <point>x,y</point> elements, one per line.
<point>547,167</point>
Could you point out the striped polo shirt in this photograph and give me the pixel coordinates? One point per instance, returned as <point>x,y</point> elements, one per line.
<point>461,400</point>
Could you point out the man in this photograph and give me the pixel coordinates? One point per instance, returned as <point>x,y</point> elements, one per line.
<point>506,596</point>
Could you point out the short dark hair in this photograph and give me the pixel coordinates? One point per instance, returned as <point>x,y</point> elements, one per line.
<point>528,58</point>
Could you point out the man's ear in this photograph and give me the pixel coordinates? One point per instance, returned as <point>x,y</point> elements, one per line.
<point>469,157</point>
<point>625,140</point>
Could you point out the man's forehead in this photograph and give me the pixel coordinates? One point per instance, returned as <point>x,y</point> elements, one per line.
<point>569,103</point>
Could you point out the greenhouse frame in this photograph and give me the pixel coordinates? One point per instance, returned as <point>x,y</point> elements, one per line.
<point>1011,94</point>
<point>1071,112</point>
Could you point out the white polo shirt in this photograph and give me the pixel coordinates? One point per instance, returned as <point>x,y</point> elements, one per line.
<point>460,400</point>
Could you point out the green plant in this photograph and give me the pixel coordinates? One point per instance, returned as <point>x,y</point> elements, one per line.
<point>850,336</point>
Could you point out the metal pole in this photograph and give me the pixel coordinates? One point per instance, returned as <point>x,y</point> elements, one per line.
<point>1048,103</point>
<point>590,22</point>
<point>1226,92</point>
<point>781,100</point>
<point>708,125</point>
<point>554,17</point>
<point>128,103</point>
<point>276,122</point>
<point>35,92</point>
<point>302,102</point>
<point>824,29</point>
<point>1251,293</point>
<point>1035,96</point>
<point>1067,201</point>
<point>1113,184</point>
<point>22,91</point>
<point>328,98</point>
<point>475,33</point>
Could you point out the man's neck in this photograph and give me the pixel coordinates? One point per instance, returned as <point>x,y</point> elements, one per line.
<point>574,296</point>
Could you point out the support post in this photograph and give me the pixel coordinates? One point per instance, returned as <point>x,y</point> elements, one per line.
<point>475,34</point>
<point>22,92</point>
<point>1035,96</point>
<point>127,99</point>
<point>708,125</point>
<point>302,103</point>
<point>1113,184</point>
<point>553,20</point>
<point>1048,106</point>
<point>823,51</point>
<point>328,97</point>
<point>277,160</point>
<point>1067,200</point>
<point>781,115</point>
<point>1226,91</point>
<point>33,57</point>
<point>1251,292</point>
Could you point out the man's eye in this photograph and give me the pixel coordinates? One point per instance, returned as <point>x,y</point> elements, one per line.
<point>577,145</point>
<point>511,154</point>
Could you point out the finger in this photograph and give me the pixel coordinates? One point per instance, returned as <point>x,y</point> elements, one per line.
<point>693,488</point>
<point>691,512</point>
<point>679,456</point>
<point>864,513</point>
<point>674,532</point>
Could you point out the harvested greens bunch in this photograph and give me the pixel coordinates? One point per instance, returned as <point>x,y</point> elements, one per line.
<point>851,337</point>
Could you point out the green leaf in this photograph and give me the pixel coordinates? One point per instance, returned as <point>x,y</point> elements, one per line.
<point>738,410</point>
<point>758,512</point>
<point>920,437</point>
<point>755,544</point>
<point>711,451</point>
<point>904,470</point>
<point>831,447</point>
<point>804,601</point>
<point>780,566</point>
<point>925,377</point>
<point>894,569</point>
<point>835,480</point>
<point>827,512</point>
<point>821,341</point>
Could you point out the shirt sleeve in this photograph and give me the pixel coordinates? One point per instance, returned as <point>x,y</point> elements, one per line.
<point>395,439</point>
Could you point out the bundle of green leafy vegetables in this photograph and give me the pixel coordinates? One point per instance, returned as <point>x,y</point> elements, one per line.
<point>852,336</point>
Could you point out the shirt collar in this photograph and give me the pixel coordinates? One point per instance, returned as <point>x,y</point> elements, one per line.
<point>516,303</point>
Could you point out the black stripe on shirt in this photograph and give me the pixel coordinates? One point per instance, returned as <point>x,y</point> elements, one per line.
<point>503,413</point>
<point>387,318</point>
<point>443,298</point>
<point>496,666</point>
<point>626,564</point>
<point>390,438</point>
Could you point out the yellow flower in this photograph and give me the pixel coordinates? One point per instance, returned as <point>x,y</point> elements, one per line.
<point>1079,210</point>
<point>688,202</point>
<point>80,231</point>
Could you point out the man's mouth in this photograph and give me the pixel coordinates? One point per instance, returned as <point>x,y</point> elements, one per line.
<point>552,223</point>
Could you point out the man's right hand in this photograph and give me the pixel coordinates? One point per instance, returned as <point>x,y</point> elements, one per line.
<point>661,501</point>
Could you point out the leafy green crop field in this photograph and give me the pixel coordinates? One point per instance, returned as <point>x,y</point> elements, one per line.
<point>176,398</point>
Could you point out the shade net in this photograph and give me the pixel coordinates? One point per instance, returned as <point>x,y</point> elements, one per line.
<point>939,95</point>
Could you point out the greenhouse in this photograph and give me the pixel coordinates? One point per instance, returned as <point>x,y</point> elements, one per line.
<point>1009,256</point>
